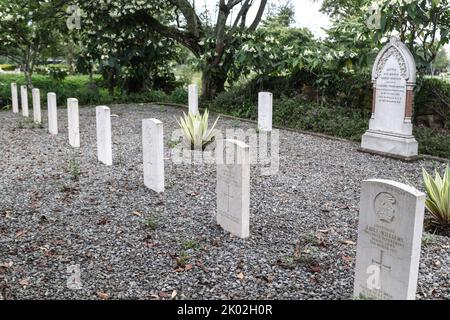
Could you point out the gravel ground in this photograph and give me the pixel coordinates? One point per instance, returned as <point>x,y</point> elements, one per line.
<point>131,243</point>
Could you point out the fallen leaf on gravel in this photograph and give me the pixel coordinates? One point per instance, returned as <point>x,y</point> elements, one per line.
<point>6,264</point>
<point>240,275</point>
<point>313,279</point>
<point>315,268</point>
<point>194,194</point>
<point>24,282</point>
<point>19,233</point>
<point>187,267</point>
<point>324,230</point>
<point>102,295</point>
<point>349,242</point>
<point>174,294</point>
<point>437,263</point>
<point>347,259</point>
<point>137,213</point>
<point>163,294</point>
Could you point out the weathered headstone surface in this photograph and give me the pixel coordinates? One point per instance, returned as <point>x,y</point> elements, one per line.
<point>153,152</point>
<point>52,113</point>
<point>24,100</point>
<point>389,240</point>
<point>265,103</point>
<point>36,105</point>
<point>74,122</point>
<point>233,187</point>
<point>104,143</point>
<point>14,98</point>
<point>193,98</point>
<point>390,127</point>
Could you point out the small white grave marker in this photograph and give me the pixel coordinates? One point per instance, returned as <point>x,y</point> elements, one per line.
<point>74,122</point>
<point>233,187</point>
<point>52,113</point>
<point>153,154</point>
<point>265,103</point>
<point>14,98</point>
<point>104,143</point>
<point>389,240</point>
<point>24,100</point>
<point>193,98</point>
<point>36,106</point>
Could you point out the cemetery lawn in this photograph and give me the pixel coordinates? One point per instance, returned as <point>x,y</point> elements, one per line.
<point>59,207</point>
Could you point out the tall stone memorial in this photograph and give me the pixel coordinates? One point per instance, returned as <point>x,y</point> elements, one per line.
<point>389,240</point>
<point>265,103</point>
<point>390,127</point>
<point>233,187</point>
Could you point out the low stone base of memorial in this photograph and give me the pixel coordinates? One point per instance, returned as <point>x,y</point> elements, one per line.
<point>391,145</point>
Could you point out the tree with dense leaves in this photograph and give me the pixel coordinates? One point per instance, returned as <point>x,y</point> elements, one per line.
<point>423,25</point>
<point>213,43</point>
<point>28,29</point>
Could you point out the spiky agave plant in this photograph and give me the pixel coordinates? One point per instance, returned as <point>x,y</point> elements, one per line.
<point>195,130</point>
<point>438,191</point>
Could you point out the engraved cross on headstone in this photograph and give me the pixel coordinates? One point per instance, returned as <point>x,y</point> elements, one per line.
<point>229,197</point>
<point>380,263</point>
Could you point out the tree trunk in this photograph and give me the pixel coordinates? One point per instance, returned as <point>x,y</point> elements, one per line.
<point>28,76</point>
<point>213,82</point>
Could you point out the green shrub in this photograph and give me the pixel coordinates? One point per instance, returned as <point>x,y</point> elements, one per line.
<point>433,98</point>
<point>8,67</point>
<point>179,95</point>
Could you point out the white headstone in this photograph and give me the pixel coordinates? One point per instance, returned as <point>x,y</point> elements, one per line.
<point>265,111</point>
<point>52,113</point>
<point>104,143</point>
<point>153,152</point>
<point>389,240</point>
<point>193,98</point>
<point>233,187</point>
<point>14,98</point>
<point>74,122</point>
<point>36,106</point>
<point>390,127</point>
<point>24,100</point>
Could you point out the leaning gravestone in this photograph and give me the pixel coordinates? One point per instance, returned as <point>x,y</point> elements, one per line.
<point>390,127</point>
<point>233,187</point>
<point>104,143</point>
<point>193,98</point>
<point>52,113</point>
<point>14,98</point>
<point>36,105</point>
<point>153,154</point>
<point>389,240</point>
<point>265,102</point>
<point>24,100</point>
<point>74,122</point>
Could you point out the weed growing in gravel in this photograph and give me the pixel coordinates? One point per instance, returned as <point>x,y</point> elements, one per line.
<point>191,244</point>
<point>183,259</point>
<point>235,123</point>
<point>172,144</point>
<point>162,109</point>
<point>151,223</point>
<point>429,239</point>
<point>74,168</point>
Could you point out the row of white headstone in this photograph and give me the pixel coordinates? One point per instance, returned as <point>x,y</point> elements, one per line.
<point>390,219</point>
<point>265,105</point>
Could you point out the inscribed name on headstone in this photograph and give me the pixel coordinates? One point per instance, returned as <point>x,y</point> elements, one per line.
<point>14,98</point>
<point>233,187</point>
<point>389,240</point>
<point>390,127</point>
<point>265,102</point>
<point>52,113</point>
<point>193,98</point>
<point>104,143</point>
<point>74,122</point>
<point>24,100</point>
<point>36,105</point>
<point>153,154</point>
